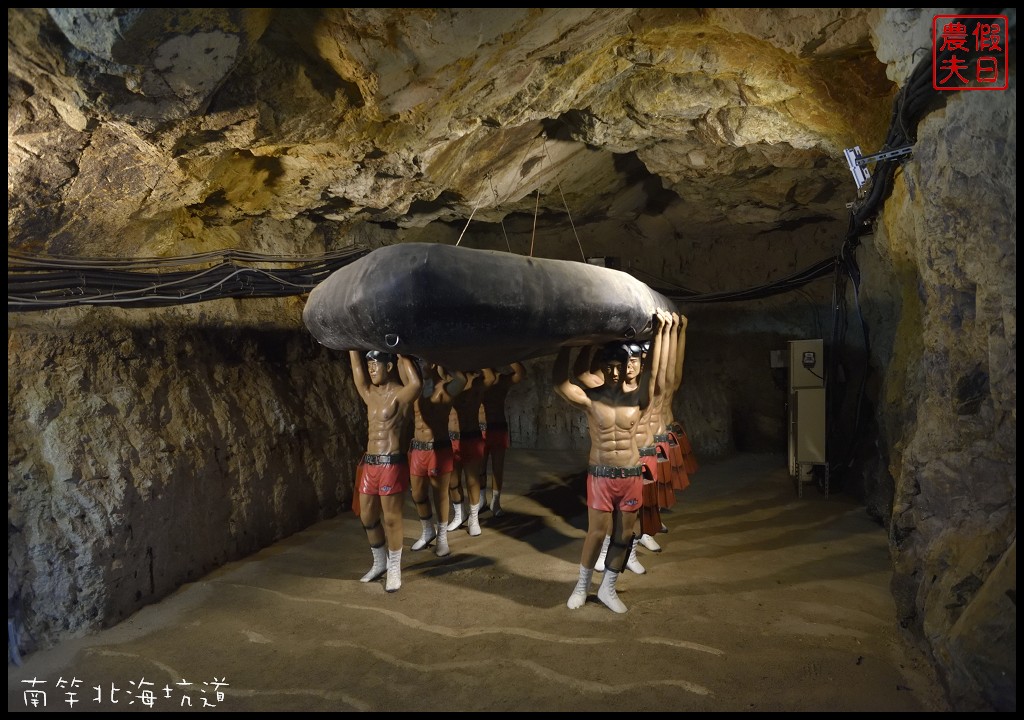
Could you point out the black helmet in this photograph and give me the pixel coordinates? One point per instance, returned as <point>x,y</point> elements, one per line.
<point>613,352</point>
<point>381,357</point>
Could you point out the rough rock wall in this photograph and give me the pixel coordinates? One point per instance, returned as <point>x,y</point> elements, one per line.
<point>142,455</point>
<point>940,291</point>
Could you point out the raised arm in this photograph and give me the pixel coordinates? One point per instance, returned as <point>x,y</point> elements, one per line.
<point>670,356</point>
<point>564,386</point>
<point>359,376</point>
<point>680,352</point>
<point>490,378</point>
<point>583,369</point>
<point>411,383</point>
<point>451,385</point>
<point>657,365</point>
<point>518,372</point>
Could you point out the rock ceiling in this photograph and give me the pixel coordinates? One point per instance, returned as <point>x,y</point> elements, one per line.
<point>160,132</point>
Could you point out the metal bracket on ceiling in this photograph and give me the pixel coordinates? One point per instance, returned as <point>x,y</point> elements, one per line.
<point>858,163</point>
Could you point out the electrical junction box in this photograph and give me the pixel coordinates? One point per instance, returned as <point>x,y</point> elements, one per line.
<point>806,408</point>
<point>806,364</point>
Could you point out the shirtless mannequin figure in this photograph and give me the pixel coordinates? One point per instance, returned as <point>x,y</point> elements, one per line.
<point>431,459</point>
<point>649,510</point>
<point>468,443</point>
<point>648,436</point>
<point>614,485</point>
<point>494,424</point>
<point>671,475</point>
<point>384,476</point>
<point>684,462</point>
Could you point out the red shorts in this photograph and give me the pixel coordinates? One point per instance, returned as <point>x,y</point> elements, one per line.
<point>496,436</point>
<point>650,513</point>
<point>663,452</point>
<point>649,464</point>
<point>689,458</point>
<point>431,463</point>
<point>468,447</point>
<point>676,452</point>
<point>389,479</point>
<point>606,494</point>
<point>659,470</point>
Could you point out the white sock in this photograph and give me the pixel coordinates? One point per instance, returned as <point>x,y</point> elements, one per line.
<point>380,564</point>
<point>606,593</point>
<point>457,518</point>
<point>579,594</point>
<point>474,521</point>
<point>599,566</point>
<point>394,579</point>
<point>428,534</point>
<point>633,563</point>
<point>441,549</point>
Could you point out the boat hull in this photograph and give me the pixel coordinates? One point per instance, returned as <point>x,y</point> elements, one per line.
<point>467,309</point>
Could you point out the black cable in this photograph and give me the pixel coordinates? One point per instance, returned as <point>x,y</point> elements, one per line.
<point>48,282</point>
<point>776,287</point>
<point>913,102</point>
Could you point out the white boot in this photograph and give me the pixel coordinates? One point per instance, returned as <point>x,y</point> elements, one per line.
<point>394,579</point>
<point>483,494</point>
<point>474,521</point>
<point>599,565</point>
<point>633,563</point>
<point>441,549</point>
<point>380,564</point>
<point>496,510</point>
<point>457,518</point>
<point>579,594</point>
<point>606,593</point>
<point>427,536</point>
<point>648,542</point>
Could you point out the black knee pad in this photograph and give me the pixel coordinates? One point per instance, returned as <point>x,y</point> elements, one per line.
<point>625,555</point>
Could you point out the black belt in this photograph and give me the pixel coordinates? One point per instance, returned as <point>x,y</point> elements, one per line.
<point>610,471</point>
<point>431,444</point>
<point>661,438</point>
<point>648,451</point>
<point>494,426</point>
<point>394,459</point>
<point>465,435</point>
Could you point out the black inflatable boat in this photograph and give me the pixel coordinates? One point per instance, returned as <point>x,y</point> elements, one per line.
<point>468,309</point>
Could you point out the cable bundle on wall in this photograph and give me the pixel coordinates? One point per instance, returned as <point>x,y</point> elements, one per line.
<point>915,100</point>
<point>43,283</point>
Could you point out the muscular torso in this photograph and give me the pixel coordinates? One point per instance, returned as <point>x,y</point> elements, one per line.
<point>653,423</point>
<point>492,407</point>
<point>431,420</point>
<point>613,420</point>
<point>385,418</point>
<point>667,416</point>
<point>466,406</point>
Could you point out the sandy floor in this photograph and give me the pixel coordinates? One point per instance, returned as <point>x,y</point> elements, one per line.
<point>759,601</point>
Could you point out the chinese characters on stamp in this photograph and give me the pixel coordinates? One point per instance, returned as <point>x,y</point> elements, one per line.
<point>970,52</point>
